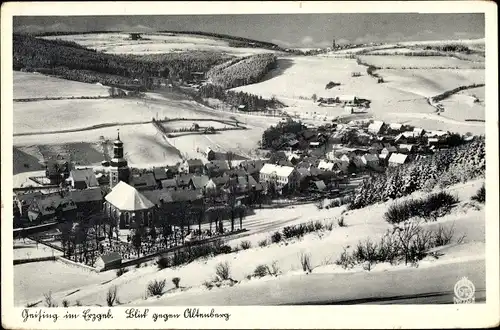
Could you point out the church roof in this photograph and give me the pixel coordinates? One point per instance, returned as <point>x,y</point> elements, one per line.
<point>127,198</point>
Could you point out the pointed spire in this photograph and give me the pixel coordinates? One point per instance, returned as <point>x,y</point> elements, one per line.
<point>118,130</point>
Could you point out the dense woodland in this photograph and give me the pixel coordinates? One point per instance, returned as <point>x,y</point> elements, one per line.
<point>235,99</point>
<point>447,167</point>
<point>72,61</point>
<point>243,71</point>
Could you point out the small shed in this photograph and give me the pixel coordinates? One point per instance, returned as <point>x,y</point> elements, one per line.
<point>109,261</point>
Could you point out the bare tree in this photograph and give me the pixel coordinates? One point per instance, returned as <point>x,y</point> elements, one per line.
<point>229,159</point>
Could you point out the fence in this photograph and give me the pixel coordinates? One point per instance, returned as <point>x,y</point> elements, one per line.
<point>156,254</point>
<point>26,261</point>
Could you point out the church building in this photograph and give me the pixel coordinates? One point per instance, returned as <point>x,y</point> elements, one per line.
<point>118,167</point>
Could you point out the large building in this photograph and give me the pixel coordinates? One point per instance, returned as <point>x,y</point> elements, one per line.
<point>118,167</point>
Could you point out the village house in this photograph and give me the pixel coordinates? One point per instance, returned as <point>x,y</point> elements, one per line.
<point>143,181</point>
<point>160,174</point>
<point>418,132</point>
<point>47,207</point>
<point>406,148</point>
<point>198,182</point>
<point>370,160</point>
<point>88,201</point>
<point>375,148</point>
<point>397,159</point>
<point>191,166</point>
<point>24,200</point>
<point>358,162</point>
<point>326,166</point>
<point>389,150</point>
<point>282,176</point>
<point>395,128</point>
<point>376,127</point>
<point>210,154</point>
<point>82,179</point>
<point>169,184</point>
<point>216,168</point>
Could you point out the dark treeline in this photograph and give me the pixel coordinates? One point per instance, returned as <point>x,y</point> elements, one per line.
<point>243,42</point>
<point>243,71</point>
<point>251,101</point>
<point>74,62</point>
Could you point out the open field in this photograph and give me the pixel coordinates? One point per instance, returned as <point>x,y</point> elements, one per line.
<point>34,85</point>
<point>430,82</point>
<point>117,43</point>
<point>419,62</point>
<point>324,247</point>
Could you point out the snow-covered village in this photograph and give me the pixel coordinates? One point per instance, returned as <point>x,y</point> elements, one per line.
<point>157,166</point>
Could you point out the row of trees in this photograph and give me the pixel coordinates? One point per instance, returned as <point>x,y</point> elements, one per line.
<point>251,101</point>
<point>243,71</point>
<point>444,168</point>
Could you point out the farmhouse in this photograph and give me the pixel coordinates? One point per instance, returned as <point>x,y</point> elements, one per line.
<point>370,160</point>
<point>160,174</point>
<point>198,182</point>
<point>216,168</point>
<point>46,208</point>
<point>143,181</point>
<point>395,127</point>
<point>406,148</point>
<point>191,166</point>
<point>88,200</point>
<point>23,201</point>
<point>397,159</point>
<point>281,175</point>
<point>169,184</point>
<point>376,127</point>
<point>82,179</point>
<point>388,150</point>
<point>125,205</point>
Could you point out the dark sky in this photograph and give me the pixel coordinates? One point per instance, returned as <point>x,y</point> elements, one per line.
<point>300,30</point>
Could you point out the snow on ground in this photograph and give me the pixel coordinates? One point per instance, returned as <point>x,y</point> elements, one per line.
<point>119,43</point>
<point>142,143</point>
<point>27,249</point>
<point>419,62</point>
<point>324,247</point>
<point>54,115</point>
<point>22,179</point>
<point>32,280</point>
<point>35,85</point>
<point>430,82</point>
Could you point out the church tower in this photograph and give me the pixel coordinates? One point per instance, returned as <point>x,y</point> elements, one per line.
<point>118,170</point>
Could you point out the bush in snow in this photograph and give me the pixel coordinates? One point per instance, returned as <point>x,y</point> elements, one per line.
<point>163,262</point>
<point>245,245</point>
<point>223,271</point>
<point>65,303</point>
<point>263,243</point>
<point>430,207</point>
<point>480,196</point>
<point>176,281</point>
<point>260,271</point>
<point>341,222</point>
<point>276,237</point>
<point>155,288</point>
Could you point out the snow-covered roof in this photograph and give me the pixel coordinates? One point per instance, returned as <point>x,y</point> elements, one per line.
<point>199,181</point>
<point>375,126</point>
<point>346,97</point>
<point>127,198</point>
<point>395,126</point>
<point>320,185</point>
<point>324,165</point>
<point>281,171</point>
<point>397,158</point>
<point>86,175</point>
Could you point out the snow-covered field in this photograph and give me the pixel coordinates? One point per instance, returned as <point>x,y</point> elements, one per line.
<point>324,247</point>
<point>401,98</point>
<point>120,43</point>
<point>27,249</point>
<point>419,62</point>
<point>28,86</point>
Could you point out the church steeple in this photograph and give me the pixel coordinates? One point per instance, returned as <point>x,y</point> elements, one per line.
<point>118,165</point>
